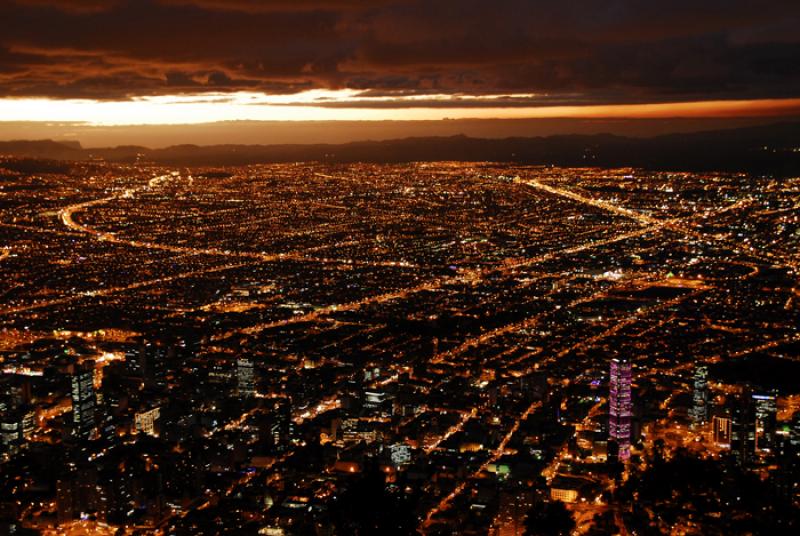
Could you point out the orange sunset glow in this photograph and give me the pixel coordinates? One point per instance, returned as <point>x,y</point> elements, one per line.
<point>350,105</point>
<point>632,69</point>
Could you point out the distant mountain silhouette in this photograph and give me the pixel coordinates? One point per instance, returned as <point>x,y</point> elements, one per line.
<point>771,149</point>
<point>43,149</point>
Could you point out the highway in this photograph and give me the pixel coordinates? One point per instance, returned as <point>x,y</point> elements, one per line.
<point>676,224</point>
<point>115,290</point>
<point>604,205</point>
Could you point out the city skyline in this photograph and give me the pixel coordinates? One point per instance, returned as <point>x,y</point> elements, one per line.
<point>399,268</point>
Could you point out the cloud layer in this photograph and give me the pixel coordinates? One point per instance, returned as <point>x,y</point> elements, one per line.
<point>576,52</point>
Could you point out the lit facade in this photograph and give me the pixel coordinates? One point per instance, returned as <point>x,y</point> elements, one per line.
<point>145,421</point>
<point>245,377</point>
<point>766,412</point>
<point>83,402</point>
<point>699,411</point>
<point>722,429</point>
<point>620,407</point>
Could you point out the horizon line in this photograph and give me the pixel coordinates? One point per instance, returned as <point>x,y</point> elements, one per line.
<point>238,108</point>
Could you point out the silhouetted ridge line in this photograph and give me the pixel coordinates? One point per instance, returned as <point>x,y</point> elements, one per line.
<point>762,149</point>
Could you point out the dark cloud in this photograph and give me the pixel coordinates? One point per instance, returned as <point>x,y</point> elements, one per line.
<point>580,51</point>
<point>73,5</point>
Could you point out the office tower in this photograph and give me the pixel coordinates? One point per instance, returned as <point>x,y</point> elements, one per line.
<point>281,426</point>
<point>20,391</point>
<point>766,416</point>
<point>16,428</point>
<point>743,428</point>
<point>83,401</point>
<point>619,401</point>
<point>11,434</point>
<point>794,434</point>
<point>28,422</point>
<point>699,411</point>
<point>145,421</point>
<point>135,359</point>
<point>245,379</point>
<point>149,361</point>
<point>722,428</point>
<point>78,491</point>
<point>154,364</point>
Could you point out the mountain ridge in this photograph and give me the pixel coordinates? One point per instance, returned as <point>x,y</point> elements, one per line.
<point>773,148</point>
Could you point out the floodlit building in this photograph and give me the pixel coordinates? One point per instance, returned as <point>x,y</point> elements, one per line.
<point>145,421</point>
<point>245,377</point>
<point>722,430</point>
<point>699,411</point>
<point>766,420</point>
<point>620,406</point>
<point>84,401</point>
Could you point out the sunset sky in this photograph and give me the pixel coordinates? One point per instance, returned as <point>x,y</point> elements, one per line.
<point>162,62</point>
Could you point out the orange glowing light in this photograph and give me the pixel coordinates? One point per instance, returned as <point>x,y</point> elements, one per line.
<point>352,105</point>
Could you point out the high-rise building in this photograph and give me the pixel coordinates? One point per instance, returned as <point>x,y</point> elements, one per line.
<point>77,492</point>
<point>148,361</point>
<point>766,420</point>
<point>620,406</point>
<point>84,401</point>
<point>722,428</point>
<point>11,437</point>
<point>699,411</point>
<point>16,428</point>
<point>145,421</point>
<point>743,428</point>
<point>65,498</point>
<point>135,359</point>
<point>281,426</point>
<point>154,365</point>
<point>245,378</point>
<point>794,434</point>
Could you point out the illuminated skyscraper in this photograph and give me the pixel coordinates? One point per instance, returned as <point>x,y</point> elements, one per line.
<point>281,426</point>
<point>722,428</point>
<point>766,422</point>
<point>619,406</point>
<point>699,411</point>
<point>11,432</point>
<point>84,401</point>
<point>743,429</point>
<point>245,379</point>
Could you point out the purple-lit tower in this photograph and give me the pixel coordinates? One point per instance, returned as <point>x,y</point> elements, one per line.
<point>619,406</point>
